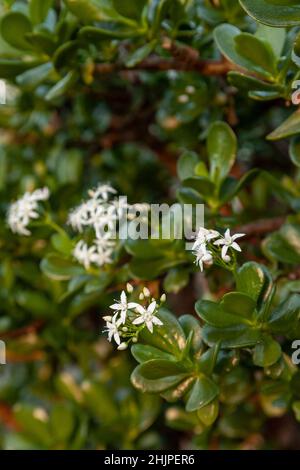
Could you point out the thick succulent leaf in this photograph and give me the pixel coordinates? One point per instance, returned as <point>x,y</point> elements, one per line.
<point>203,392</point>
<point>266,352</point>
<point>157,375</point>
<point>279,13</point>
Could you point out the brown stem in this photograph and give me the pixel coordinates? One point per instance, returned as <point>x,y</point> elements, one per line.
<point>261,227</point>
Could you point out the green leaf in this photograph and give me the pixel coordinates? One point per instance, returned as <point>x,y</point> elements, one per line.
<point>254,280</point>
<point>266,352</point>
<point>225,37</point>
<point>238,336</point>
<point>214,315</point>
<point>157,375</point>
<point>279,13</point>
<point>284,245</point>
<point>275,37</point>
<point>203,392</point>
<point>191,325</point>
<point>201,184</point>
<point>186,165</point>
<point>169,337</point>
<point>209,413</point>
<point>221,148</point>
<point>108,30</point>
<point>256,51</point>
<point>246,82</point>
<point>130,9</point>
<point>33,77</point>
<point>93,10</point>
<point>60,269</point>
<point>207,361</point>
<point>62,243</point>
<point>237,303</point>
<point>13,27</point>
<point>144,353</point>
<point>288,128</point>
<point>10,68</point>
<point>295,150</point>
<point>38,10</point>
<point>62,86</point>
<point>231,187</point>
<point>140,54</point>
<point>285,315</point>
<point>175,393</point>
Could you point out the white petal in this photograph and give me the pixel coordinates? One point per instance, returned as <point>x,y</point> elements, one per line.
<point>227,233</point>
<point>224,251</point>
<point>116,307</point>
<point>123,297</point>
<point>149,325</point>
<point>138,321</point>
<point>235,246</point>
<point>157,321</point>
<point>152,307</point>
<point>117,338</point>
<point>133,305</point>
<point>221,241</point>
<point>237,235</point>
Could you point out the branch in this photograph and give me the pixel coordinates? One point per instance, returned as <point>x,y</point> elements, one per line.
<point>155,63</point>
<point>261,227</point>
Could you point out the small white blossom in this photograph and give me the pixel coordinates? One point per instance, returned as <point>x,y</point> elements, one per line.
<point>84,254</point>
<point>147,316</point>
<point>203,256</point>
<point>102,191</point>
<point>25,209</point>
<point>205,236</point>
<point>123,305</point>
<point>228,241</point>
<point>112,328</point>
<point>94,254</point>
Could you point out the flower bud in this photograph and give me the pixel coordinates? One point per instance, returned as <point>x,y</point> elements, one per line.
<point>122,346</point>
<point>129,288</point>
<point>163,298</point>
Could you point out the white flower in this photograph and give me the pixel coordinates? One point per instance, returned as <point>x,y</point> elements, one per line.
<point>79,217</point>
<point>102,191</point>
<point>203,256</point>
<point>94,254</point>
<point>84,254</point>
<point>228,241</point>
<point>204,236</point>
<point>112,328</point>
<point>123,305</point>
<point>25,209</point>
<point>147,316</point>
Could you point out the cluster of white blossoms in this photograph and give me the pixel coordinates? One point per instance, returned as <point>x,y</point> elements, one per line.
<point>100,212</point>
<point>25,209</point>
<point>130,318</point>
<point>208,241</point>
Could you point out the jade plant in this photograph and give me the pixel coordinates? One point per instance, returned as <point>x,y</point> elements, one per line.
<point>117,341</point>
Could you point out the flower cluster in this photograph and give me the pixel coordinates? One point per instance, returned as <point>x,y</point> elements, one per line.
<point>129,318</point>
<point>25,209</point>
<point>207,245</point>
<point>100,213</point>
